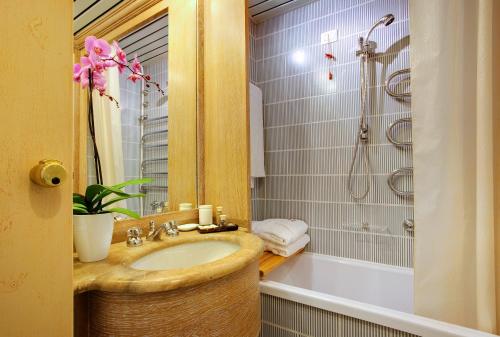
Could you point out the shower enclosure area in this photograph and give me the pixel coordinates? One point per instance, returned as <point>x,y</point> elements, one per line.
<point>337,143</point>
<point>338,155</point>
<point>144,119</point>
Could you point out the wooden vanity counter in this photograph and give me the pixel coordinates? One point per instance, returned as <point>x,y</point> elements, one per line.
<point>114,273</point>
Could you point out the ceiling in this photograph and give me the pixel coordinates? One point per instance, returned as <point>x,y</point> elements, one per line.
<point>86,11</point>
<point>147,42</point>
<point>261,10</point>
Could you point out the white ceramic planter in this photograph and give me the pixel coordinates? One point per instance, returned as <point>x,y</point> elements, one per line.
<point>92,236</point>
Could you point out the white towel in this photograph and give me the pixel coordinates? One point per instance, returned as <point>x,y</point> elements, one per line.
<point>289,250</point>
<point>280,231</point>
<point>256,133</point>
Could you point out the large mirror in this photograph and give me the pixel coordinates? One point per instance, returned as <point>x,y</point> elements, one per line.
<point>143,127</point>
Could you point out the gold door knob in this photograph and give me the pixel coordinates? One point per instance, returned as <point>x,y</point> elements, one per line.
<point>48,173</point>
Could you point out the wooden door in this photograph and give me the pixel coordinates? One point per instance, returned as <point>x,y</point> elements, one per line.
<point>35,123</point>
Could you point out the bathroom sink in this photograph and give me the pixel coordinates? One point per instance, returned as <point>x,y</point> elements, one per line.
<point>186,255</point>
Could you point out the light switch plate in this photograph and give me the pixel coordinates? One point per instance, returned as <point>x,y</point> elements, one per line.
<point>330,36</point>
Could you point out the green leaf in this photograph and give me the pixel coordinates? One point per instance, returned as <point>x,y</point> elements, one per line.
<point>76,205</point>
<point>117,188</point>
<point>92,191</point>
<point>112,201</point>
<point>78,198</point>
<point>125,211</point>
<point>96,193</point>
<point>134,182</point>
<point>104,192</point>
<point>79,211</point>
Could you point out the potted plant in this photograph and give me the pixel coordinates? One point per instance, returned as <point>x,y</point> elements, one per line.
<point>93,218</point>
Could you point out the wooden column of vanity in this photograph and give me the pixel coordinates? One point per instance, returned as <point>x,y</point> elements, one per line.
<point>216,299</point>
<point>229,306</point>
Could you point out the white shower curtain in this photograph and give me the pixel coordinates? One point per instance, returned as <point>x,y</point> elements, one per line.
<point>108,129</point>
<point>453,148</point>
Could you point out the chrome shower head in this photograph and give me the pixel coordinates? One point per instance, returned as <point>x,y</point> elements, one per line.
<point>385,20</point>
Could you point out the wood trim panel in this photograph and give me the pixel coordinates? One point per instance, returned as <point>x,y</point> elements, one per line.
<point>226,119</point>
<point>182,105</point>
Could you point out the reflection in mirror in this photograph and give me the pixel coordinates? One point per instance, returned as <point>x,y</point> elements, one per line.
<point>133,141</point>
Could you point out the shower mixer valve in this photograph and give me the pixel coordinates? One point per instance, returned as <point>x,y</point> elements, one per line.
<point>363,134</point>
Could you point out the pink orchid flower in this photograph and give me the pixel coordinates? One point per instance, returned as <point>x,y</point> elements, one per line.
<point>99,81</point>
<point>101,56</point>
<point>77,72</point>
<point>97,46</point>
<point>136,65</point>
<point>84,79</point>
<point>121,56</point>
<point>134,77</point>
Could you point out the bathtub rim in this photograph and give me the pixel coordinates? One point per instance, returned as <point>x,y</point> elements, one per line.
<point>398,320</point>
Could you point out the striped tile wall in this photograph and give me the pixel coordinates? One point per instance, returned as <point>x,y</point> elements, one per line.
<point>130,103</point>
<point>310,125</point>
<point>283,318</point>
<point>156,106</point>
<point>253,62</point>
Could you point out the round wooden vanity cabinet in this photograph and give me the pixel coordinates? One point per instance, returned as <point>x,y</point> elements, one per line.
<point>225,307</point>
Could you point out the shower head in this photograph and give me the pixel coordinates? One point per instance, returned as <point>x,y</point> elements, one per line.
<point>385,20</point>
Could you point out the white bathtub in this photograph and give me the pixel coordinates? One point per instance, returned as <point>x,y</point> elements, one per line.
<point>366,291</point>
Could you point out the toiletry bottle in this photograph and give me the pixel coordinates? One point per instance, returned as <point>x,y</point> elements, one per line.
<point>205,215</point>
<point>218,213</point>
<point>222,220</point>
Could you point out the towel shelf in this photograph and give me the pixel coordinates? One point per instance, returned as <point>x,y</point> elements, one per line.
<point>269,262</point>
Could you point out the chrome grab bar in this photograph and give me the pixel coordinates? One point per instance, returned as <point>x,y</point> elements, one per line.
<point>392,178</point>
<point>389,133</point>
<point>147,119</point>
<point>148,161</point>
<point>388,83</point>
<point>152,133</point>
<point>154,173</point>
<point>155,145</point>
<point>144,188</point>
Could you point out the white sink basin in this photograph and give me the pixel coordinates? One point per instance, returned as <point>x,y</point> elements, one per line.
<point>186,255</point>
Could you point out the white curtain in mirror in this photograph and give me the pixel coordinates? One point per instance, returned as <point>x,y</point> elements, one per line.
<point>108,129</point>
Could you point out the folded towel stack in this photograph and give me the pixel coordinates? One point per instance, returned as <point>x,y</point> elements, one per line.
<point>282,236</point>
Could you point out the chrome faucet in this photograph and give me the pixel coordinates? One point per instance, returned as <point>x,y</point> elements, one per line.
<point>134,237</point>
<point>170,228</point>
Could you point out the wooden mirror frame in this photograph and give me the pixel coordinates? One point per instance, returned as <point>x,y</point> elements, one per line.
<point>183,178</point>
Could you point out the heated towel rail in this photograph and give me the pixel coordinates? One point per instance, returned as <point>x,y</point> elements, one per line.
<point>392,77</point>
